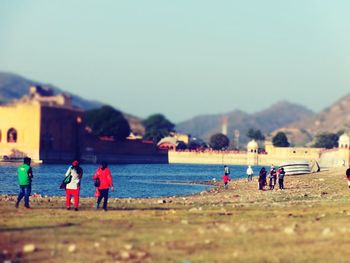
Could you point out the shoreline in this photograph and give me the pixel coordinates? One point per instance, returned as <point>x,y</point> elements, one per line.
<point>236,185</point>
<point>310,218</point>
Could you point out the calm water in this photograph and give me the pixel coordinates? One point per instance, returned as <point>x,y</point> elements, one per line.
<point>134,180</point>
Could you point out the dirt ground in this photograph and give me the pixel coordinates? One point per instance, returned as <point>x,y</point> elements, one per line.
<point>309,221</point>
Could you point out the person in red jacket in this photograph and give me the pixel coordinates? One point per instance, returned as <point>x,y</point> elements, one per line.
<point>104,175</point>
<point>226,178</point>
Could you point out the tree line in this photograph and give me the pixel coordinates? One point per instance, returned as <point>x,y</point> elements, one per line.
<point>110,122</point>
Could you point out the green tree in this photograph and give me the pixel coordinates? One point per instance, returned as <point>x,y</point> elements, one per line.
<point>255,134</point>
<point>157,127</point>
<point>326,140</point>
<point>219,141</point>
<point>280,140</point>
<point>107,121</point>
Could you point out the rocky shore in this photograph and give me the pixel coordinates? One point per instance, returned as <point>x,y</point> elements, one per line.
<point>302,223</point>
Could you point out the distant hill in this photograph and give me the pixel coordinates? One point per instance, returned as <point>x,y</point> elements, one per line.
<point>13,86</point>
<point>333,119</point>
<point>276,116</point>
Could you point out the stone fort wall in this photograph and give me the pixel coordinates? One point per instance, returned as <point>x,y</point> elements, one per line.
<point>275,156</point>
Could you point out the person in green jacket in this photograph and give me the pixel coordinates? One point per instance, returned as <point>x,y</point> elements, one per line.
<point>25,176</point>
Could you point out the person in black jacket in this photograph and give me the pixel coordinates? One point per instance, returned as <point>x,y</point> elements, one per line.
<point>262,178</point>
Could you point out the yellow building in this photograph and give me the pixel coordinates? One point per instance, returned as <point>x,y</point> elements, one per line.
<point>43,127</point>
<point>20,130</point>
<point>47,128</point>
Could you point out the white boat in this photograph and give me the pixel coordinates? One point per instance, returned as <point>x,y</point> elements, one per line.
<point>296,167</point>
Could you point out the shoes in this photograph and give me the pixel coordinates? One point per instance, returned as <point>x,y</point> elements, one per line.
<point>17,204</point>
<point>27,207</point>
<point>76,209</point>
<point>68,208</point>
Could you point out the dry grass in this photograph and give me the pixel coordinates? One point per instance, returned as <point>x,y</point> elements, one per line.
<point>307,222</point>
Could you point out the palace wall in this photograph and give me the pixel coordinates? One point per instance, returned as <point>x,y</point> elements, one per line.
<point>275,156</point>
<point>25,120</point>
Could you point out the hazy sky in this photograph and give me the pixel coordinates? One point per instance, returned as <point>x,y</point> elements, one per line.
<point>182,58</point>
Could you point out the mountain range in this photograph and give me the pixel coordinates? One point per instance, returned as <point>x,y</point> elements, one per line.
<point>280,114</point>
<point>299,123</point>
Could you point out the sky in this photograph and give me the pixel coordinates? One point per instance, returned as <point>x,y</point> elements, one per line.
<point>182,58</point>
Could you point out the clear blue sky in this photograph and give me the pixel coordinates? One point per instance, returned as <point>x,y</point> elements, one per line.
<point>182,58</point>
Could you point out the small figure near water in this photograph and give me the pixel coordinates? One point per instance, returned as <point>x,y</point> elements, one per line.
<point>250,173</point>
<point>103,175</point>
<point>227,170</point>
<point>272,177</point>
<point>25,176</point>
<point>73,187</point>
<point>348,176</point>
<point>226,178</point>
<point>281,174</point>
<point>262,178</point>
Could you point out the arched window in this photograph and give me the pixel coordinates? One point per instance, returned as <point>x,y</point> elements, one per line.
<point>12,135</point>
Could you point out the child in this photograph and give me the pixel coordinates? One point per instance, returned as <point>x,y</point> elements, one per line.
<point>226,179</point>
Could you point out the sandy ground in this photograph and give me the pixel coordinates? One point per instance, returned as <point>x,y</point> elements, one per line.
<point>306,222</point>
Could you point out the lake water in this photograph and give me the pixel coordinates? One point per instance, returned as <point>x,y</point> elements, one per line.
<point>133,180</point>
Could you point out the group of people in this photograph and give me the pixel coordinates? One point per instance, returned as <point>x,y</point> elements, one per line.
<point>272,175</point>
<point>71,183</point>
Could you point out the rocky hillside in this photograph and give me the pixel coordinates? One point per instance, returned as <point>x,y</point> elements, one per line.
<point>278,115</point>
<point>333,119</point>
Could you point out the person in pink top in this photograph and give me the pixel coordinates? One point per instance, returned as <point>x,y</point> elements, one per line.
<point>106,181</point>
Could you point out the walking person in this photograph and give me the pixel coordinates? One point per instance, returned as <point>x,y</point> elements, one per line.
<point>226,170</point>
<point>262,178</point>
<point>281,174</point>
<point>103,175</point>
<point>73,187</point>
<point>272,177</point>
<point>250,173</point>
<point>25,176</point>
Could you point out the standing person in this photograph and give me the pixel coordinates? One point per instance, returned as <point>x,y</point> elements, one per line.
<point>104,175</point>
<point>25,176</point>
<point>250,173</point>
<point>281,174</point>
<point>226,170</point>
<point>348,176</point>
<point>272,177</point>
<point>262,178</point>
<point>226,178</point>
<point>73,187</point>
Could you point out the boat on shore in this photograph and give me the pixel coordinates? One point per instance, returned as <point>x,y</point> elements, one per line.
<point>10,159</point>
<point>296,167</point>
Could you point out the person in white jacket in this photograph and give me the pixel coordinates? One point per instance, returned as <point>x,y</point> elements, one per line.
<point>250,173</point>
<point>73,186</point>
